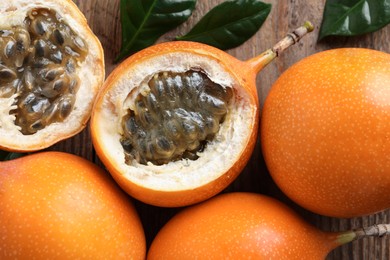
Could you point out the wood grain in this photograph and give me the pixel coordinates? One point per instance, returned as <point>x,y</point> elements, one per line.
<point>103,17</point>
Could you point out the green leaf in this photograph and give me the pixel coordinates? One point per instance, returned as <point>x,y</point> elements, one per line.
<point>3,155</point>
<point>354,17</point>
<point>144,21</point>
<point>229,24</point>
<point>6,156</point>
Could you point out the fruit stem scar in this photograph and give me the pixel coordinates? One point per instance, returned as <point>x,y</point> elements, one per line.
<point>259,62</point>
<point>378,230</point>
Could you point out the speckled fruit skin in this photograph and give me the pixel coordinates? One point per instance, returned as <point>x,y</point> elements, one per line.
<point>325,132</point>
<point>59,206</point>
<point>240,226</point>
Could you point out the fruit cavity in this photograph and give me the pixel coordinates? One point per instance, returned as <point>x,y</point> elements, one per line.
<point>173,117</point>
<point>37,66</point>
<point>51,69</point>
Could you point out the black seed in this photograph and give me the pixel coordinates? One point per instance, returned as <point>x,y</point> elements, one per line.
<point>73,85</point>
<point>169,84</point>
<point>41,62</point>
<point>56,56</point>
<point>18,85</point>
<point>79,44</point>
<point>152,103</point>
<point>10,49</point>
<point>49,114</point>
<point>190,155</point>
<point>22,41</point>
<point>40,47</point>
<point>142,150</point>
<point>196,81</point>
<point>197,118</point>
<point>5,33</point>
<point>59,38</point>
<point>164,146</point>
<point>20,46</point>
<point>28,99</point>
<point>189,129</point>
<point>59,85</point>
<point>39,105</point>
<point>172,129</point>
<point>212,125</point>
<point>139,106</point>
<point>157,87</point>
<point>141,133</point>
<point>53,73</point>
<point>70,66</point>
<point>48,91</point>
<point>219,92</point>
<point>146,118</point>
<point>131,126</point>
<point>65,108</point>
<point>71,52</point>
<point>126,144</point>
<point>37,125</point>
<point>178,85</point>
<point>212,104</point>
<point>6,74</point>
<point>39,26</point>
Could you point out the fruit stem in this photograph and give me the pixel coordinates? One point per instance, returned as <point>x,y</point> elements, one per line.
<point>259,62</point>
<point>372,231</point>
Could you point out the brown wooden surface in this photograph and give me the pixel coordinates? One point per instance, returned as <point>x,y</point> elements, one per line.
<point>103,17</point>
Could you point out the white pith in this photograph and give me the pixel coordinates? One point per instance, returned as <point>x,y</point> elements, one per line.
<point>90,72</point>
<point>218,156</point>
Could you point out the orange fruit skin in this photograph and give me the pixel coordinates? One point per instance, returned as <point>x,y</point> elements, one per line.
<point>183,197</point>
<point>243,72</point>
<point>240,226</point>
<point>59,206</point>
<point>325,132</point>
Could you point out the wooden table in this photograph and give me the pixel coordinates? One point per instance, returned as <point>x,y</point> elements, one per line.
<point>103,17</point>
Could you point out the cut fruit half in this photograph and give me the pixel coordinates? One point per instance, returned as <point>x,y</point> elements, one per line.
<point>177,122</point>
<point>51,67</point>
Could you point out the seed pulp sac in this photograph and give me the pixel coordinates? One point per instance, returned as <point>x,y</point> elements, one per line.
<point>175,118</point>
<point>38,62</point>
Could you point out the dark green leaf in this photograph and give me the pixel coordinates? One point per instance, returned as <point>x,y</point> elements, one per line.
<point>144,21</point>
<point>354,17</point>
<point>229,24</point>
<point>5,156</point>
